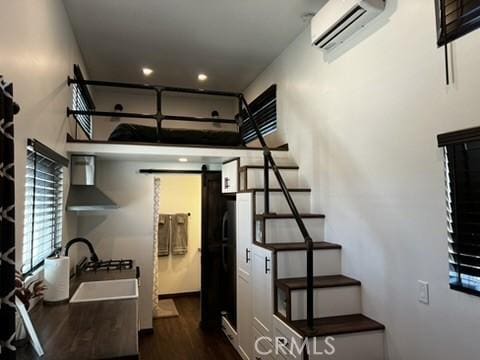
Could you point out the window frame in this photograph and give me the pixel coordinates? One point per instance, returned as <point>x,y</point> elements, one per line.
<point>36,151</point>
<point>264,105</point>
<point>463,242</point>
<point>468,24</point>
<point>82,100</point>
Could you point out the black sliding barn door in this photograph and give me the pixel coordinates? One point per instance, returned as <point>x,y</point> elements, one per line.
<point>213,207</point>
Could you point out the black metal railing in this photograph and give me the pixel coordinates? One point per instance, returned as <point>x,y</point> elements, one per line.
<point>269,161</point>
<point>159,90</point>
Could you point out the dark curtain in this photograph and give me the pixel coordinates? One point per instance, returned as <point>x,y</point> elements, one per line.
<point>7,224</point>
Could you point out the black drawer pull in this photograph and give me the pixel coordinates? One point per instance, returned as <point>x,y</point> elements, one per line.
<point>267,260</point>
<point>247,255</point>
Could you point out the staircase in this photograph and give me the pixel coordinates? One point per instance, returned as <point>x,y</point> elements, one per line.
<point>337,302</point>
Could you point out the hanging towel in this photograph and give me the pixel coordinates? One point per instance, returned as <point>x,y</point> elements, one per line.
<point>179,234</point>
<point>163,235</point>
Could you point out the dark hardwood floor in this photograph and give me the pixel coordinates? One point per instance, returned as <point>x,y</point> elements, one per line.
<point>180,338</point>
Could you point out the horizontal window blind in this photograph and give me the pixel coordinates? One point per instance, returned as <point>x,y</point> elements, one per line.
<point>264,110</point>
<point>456,18</point>
<point>43,209</point>
<point>80,103</point>
<point>462,167</point>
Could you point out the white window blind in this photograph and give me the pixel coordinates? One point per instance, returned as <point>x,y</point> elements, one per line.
<point>43,209</point>
<point>80,103</point>
<point>264,111</point>
<point>462,169</point>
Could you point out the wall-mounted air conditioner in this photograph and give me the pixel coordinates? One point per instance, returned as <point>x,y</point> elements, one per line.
<point>339,19</point>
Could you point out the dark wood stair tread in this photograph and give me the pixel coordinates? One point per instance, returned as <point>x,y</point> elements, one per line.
<point>287,216</point>
<point>295,246</point>
<point>281,167</point>
<point>319,282</point>
<point>336,325</point>
<point>279,190</point>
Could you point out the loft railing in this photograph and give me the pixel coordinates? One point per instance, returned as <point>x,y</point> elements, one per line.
<point>269,161</point>
<point>159,90</point>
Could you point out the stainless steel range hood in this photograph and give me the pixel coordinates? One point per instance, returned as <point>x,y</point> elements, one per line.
<point>83,194</point>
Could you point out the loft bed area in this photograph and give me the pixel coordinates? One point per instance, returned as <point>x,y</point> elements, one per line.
<point>239,133</point>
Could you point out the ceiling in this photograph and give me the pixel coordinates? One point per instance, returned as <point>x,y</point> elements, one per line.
<point>231,41</point>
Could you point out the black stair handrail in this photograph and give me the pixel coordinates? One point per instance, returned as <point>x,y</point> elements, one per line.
<point>270,162</point>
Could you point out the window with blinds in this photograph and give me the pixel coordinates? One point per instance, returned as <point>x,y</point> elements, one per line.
<point>82,101</point>
<point>264,111</point>
<point>462,170</point>
<point>43,208</point>
<point>456,18</point>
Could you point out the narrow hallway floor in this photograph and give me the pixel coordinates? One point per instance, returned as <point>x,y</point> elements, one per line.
<point>180,338</point>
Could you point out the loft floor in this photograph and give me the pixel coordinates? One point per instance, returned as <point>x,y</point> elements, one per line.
<point>166,152</point>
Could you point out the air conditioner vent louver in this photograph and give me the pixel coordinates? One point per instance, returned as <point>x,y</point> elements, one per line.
<point>328,40</point>
<point>338,20</point>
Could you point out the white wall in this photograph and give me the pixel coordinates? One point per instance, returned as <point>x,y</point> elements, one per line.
<point>362,125</point>
<point>127,232</point>
<point>38,50</point>
<point>180,193</point>
<point>172,104</point>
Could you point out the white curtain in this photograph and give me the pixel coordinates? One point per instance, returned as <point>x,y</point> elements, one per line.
<point>156,213</point>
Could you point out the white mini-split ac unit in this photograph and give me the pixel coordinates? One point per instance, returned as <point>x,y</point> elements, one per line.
<point>339,19</point>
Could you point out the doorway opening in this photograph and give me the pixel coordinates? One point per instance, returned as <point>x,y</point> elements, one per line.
<point>195,248</point>
<point>178,233</point>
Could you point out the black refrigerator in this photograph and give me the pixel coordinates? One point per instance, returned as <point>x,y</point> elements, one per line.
<point>229,273</point>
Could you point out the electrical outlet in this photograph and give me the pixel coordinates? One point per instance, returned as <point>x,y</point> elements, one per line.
<point>423,293</point>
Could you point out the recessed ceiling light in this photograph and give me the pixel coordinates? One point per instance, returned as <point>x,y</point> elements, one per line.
<point>202,77</point>
<point>147,71</point>
<point>183,159</point>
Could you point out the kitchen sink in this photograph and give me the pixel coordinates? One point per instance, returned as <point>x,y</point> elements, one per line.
<point>106,290</point>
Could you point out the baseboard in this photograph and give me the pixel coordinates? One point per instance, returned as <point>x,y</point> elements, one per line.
<point>177,295</point>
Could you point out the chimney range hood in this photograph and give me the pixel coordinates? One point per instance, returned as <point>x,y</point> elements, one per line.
<point>83,194</point>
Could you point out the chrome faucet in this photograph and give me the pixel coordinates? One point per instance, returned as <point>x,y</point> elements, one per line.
<point>93,255</point>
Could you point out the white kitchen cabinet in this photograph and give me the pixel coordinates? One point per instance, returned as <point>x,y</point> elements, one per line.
<point>262,290</point>
<point>291,340</point>
<point>262,346</point>
<point>244,232</point>
<point>230,176</point>
<point>244,318</point>
<point>230,332</point>
<point>244,286</point>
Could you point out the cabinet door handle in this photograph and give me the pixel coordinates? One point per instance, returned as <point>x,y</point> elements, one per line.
<point>267,260</point>
<point>247,255</point>
<point>226,182</point>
